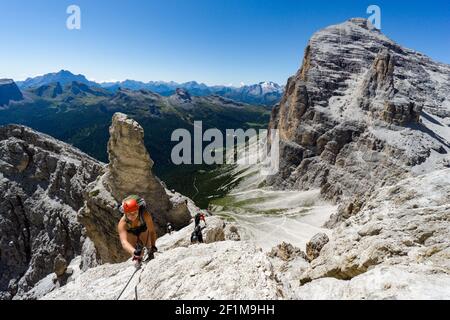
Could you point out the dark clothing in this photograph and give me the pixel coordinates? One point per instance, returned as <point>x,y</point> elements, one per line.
<point>197,235</point>
<point>139,229</point>
<point>199,217</point>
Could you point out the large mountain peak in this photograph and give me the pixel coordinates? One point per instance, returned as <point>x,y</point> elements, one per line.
<point>361,109</point>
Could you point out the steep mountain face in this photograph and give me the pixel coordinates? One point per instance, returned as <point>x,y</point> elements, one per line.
<point>361,111</point>
<point>63,77</point>
<point>9,92</point>
<point>42,181</point>
<point>367,121</point>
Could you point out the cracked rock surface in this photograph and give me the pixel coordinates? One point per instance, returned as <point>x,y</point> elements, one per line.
<point>41,190</point>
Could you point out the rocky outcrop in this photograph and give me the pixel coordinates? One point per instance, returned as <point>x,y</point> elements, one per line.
<point>220,270</point>
<point>316,244</point>
<point>360,113</point>
<point>417,282</point>
<point>365,120</point>
<point>129,172</point>
<point>52,281</point>
<point>288,264</point>
<point>403,225</point>
<point>9,92</point>
<point>41,190</point>
<point>286,252</point>
<point>130,167</point>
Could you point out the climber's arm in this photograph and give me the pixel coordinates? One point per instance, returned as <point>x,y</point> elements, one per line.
<point>124,238</point>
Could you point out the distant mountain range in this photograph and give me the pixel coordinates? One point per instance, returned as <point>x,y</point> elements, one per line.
<point>78,111</point>
<point>80,114</point>
<point>264,93</point>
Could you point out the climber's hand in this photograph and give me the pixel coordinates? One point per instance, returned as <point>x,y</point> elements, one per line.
<point>137,257</point>
<point>137,254</point>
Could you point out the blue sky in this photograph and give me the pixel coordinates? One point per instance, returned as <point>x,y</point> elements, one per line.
<point>210,41</point>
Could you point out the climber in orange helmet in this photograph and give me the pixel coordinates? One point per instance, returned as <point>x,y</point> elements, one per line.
<point>136,229</point>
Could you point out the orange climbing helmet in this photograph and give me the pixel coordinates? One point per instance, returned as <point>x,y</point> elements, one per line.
<point>130,205</point>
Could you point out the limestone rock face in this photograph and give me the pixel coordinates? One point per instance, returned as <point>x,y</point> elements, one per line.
<point>415,282</point>
<point>289,263</point>
<point>129,172</point>
<point>219,270</point>
<point>316,244</point>
<point>403,225</point>
<point>41,190</point>
<point>130,165</point>
<point>286,251</point>
<point>360,113</point>
<point>367,122</point>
